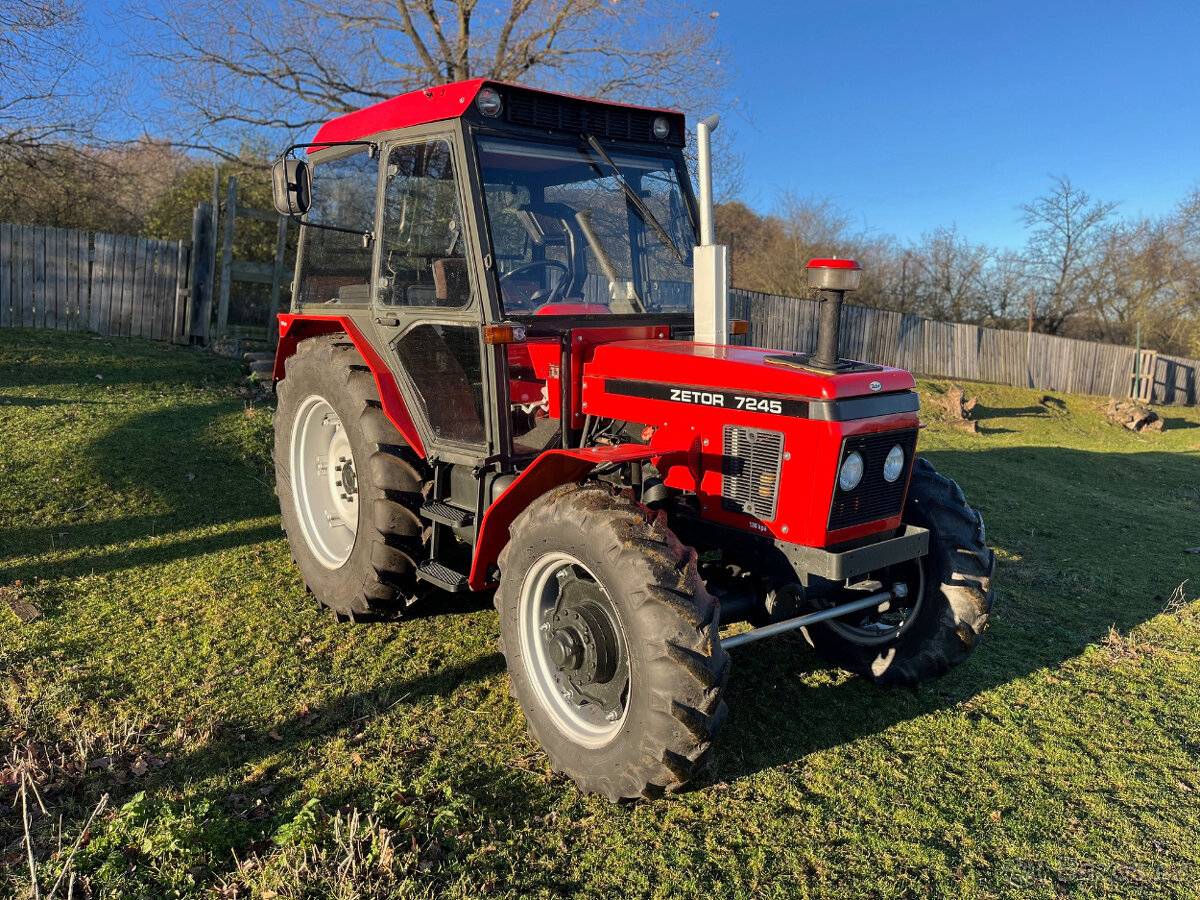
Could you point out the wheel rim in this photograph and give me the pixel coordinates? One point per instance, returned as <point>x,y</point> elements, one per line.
<point>574,649</point>
<point>324,483</point>
<point>874,628</point>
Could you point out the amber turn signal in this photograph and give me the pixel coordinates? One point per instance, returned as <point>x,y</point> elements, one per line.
<point>504,334</point>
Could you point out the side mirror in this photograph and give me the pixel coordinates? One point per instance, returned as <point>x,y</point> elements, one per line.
<point>291,182</point>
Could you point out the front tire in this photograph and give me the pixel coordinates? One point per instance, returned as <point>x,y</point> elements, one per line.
<point>611,643</point>
<point>347,482</point>
<point>950,592</point>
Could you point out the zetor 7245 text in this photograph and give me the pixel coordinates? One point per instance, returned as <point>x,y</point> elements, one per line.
<point>508,364</point>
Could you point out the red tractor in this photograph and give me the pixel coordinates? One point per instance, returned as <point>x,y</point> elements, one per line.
<point>507,365</point>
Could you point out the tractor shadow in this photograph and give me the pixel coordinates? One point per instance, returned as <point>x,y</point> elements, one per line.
<point>171,472</point>
<point>1061,522</point>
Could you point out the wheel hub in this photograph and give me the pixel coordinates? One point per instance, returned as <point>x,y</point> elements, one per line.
<point>582,642</point>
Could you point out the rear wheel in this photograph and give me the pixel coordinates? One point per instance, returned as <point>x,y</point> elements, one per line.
<point>347,482</point>
<point>611,643</point>
<point>935,627</point>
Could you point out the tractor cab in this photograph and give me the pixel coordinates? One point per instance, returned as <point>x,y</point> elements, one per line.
<point>469,229</point>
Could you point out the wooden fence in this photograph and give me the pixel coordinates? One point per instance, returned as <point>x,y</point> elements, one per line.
<point>127,286</point>
<point>970,352</point>
<point>103,283</point>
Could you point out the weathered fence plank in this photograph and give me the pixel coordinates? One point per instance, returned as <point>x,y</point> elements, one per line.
<point>6,259</point>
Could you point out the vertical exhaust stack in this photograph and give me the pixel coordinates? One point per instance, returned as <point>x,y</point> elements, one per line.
<point>710,266</point>
<point>830,280</point>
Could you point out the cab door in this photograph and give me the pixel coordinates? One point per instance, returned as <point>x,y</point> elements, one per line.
<point>427,305</point>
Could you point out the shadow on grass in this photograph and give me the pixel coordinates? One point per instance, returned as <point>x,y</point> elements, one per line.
<point>1178,424</point>
<point>165,460</point>
<point>1058,515</point>
<point>1066,520</point>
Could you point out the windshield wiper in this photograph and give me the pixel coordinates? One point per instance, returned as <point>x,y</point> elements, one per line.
<point>639,204</point>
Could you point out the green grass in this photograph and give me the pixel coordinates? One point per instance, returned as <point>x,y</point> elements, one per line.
<point>283,754</point>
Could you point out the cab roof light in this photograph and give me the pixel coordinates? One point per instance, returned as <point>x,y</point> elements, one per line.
<point>487,101</point>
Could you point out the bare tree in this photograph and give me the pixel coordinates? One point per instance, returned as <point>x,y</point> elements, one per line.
<point>260,65</point>
<point>1066,227</point>
<point>948,276</point>
<point>1005,290</point>
<point>42,95</point>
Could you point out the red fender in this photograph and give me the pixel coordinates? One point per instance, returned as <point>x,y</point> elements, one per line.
<point>293,329</point>
<point>552,468</point>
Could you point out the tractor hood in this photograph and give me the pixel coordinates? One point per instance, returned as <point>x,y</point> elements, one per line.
<point>717,411</point>
<point>708,375</point>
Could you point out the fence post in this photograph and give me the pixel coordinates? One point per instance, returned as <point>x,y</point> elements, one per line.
<point>277,282</point>
<point>200,297</point>
<point>227,258</point>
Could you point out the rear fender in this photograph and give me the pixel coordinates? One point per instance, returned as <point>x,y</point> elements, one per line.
<point>293,329</point>
<point>551,469</point>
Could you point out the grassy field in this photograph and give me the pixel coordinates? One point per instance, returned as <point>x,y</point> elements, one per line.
<point>249,746</point>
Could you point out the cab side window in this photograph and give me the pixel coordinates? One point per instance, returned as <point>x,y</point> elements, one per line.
<point>336,265</point>
<point>424,259</point>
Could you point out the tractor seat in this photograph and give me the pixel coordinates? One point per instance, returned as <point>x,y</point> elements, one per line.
<point>451,286</point>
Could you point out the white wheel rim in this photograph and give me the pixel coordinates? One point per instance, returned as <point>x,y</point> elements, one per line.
<point>326,505</point>
<point>585,725</point>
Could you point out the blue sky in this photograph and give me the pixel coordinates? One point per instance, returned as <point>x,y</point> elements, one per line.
<point>915,114</point>
<point>911,115</point>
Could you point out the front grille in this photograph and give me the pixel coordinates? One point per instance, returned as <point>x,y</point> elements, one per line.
<point>750,471</point>
<point>874,498</point>
<point>578,117</point>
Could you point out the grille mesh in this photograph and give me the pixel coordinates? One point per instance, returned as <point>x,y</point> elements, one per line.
<point>750,471</point>
<point>564,114</point>
<point>874,498</point>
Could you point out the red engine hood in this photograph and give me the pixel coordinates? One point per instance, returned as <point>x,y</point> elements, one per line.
<point>691,393</point>
<point>685,364</point>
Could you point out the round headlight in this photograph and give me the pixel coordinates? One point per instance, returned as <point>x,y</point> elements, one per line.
<point>894,464</point>
<point>852,471</point>
<point>488,103</point>
<point>662,128</point>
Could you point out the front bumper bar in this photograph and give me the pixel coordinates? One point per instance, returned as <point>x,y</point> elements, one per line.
<point>909,544</point>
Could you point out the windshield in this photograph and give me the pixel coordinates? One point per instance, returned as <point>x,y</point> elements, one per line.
<point>568,240</point>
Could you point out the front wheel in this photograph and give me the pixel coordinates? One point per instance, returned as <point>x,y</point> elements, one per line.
<point>949,595</point>
<point>611,643</point>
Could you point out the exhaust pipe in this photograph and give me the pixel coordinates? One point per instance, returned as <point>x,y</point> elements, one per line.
<point>829,280</point>
<point>710,262</point>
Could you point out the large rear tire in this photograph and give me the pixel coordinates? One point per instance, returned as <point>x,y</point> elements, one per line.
<point>950,595</point>
<point>347,482</point>
<point>611,643</point>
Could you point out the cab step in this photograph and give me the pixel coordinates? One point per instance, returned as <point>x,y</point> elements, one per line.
<point>445,514</point>
<point>442,576</point>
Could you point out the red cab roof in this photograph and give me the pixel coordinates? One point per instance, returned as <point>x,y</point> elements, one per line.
<point>449,101</point>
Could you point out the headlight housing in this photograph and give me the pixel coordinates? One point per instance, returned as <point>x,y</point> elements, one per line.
<point>851,472</point>
<point>894,464</point>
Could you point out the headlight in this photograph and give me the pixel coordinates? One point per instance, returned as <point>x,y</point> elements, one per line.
<point>488,102</point>
<point>851,472</point>
<point>894,464</point>
<point>662,128</point>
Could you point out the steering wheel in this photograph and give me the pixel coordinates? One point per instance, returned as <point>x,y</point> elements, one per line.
<point>527,302</point>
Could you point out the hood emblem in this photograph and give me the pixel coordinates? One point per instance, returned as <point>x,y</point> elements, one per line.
<point>875,386</point>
